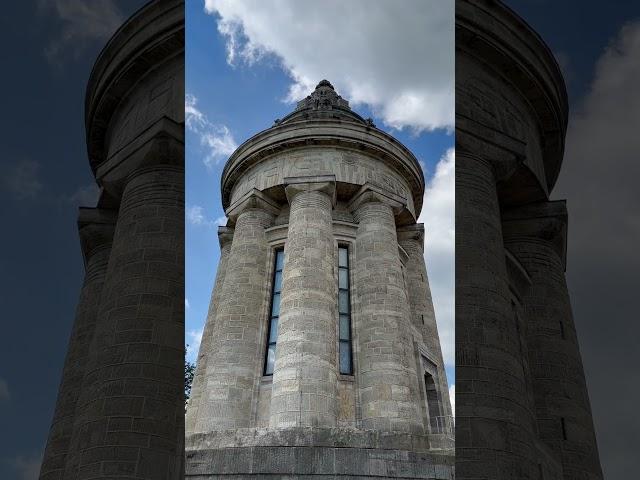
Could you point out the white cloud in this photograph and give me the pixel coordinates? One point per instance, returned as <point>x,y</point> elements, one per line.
<point>396,57</point>
<point>197,217</point>
<point>217,139</point>
<point>4,390</point>
<point>194,337</point>
<point>438,216</point>
<point>81,23</point>
<point>452,396</point>
<point>85,196</point>
<point>27,467</point>
<point>186,303</point>
<point>222,221</point>
<point>21,179</point>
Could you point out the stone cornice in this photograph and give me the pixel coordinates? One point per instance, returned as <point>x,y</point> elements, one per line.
<point>542,221</point>
<point>413,232</point>
<point>319,183</point>
<point>225,236</point>
<point>498,38</point>
<point>373,193</point>
<point>96,227</point>
<point>253,199</point>
<point>343,134</point>
<point>151,36</point>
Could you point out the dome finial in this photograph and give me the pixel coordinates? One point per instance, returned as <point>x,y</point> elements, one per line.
<point>325,83</point>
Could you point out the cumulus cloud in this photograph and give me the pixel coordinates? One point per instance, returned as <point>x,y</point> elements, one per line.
<point>438,216</point>
<point>452,396</point>
<point>81,23</point>
<point>215,138</point>
<point>194,338</point>
<point>395,57</point>
<point>196,216</point>
<point>21,179</point>
<point>27,467</point>
<point>599,179</point>
<point>85,195</point>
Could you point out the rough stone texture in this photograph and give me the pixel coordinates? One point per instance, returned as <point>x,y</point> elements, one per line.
<point>225,235</point>
<point>324,178</point>
<point>121,398</point>
<point>231,370</point>
<point>305,379</point>
<point>387,380</point>
<point>522,404</point>
<point>96,230</point>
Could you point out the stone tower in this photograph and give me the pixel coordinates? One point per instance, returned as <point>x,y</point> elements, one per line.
<point>320,354</point>
<point>522,404</point>
<point>120,407</point>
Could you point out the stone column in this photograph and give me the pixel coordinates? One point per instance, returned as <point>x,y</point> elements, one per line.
<point>411,239</point>
<point>96,233</point>
<point>132,408</point>
<point>494,421</point>
<point>305,373</point>
<point>385,364</point>
<point>225,235</point>
<point>234,365</point>
<point>536,235</point>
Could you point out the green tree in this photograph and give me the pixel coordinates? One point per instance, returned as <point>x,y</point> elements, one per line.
<point>189,370</point>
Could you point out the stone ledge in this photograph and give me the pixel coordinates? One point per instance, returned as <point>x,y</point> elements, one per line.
<point>316,462</point>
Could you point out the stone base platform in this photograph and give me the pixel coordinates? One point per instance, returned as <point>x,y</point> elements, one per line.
<point>300,453</point>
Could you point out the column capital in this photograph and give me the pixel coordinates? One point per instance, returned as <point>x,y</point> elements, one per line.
<point>372,193</point>
<point>225,236</point>
<point>313,183</point>
<point>543,221</point>
<point>254,199</point>
<point>96,227</point>
<point>413,232</point>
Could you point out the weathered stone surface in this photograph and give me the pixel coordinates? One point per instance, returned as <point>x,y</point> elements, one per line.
<point>522,408</point>
<point>121,403</point>
<point>329,182</point>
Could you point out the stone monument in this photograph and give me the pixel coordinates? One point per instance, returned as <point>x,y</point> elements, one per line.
<point>320,354</point>
<point>522,404</point>
<point>120,407</point>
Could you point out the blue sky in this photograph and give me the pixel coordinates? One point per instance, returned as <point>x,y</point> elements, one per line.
<point>236,92</point>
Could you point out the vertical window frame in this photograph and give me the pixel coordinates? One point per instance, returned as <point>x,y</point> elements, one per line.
<point>346,341</point>
<point>279,251</point>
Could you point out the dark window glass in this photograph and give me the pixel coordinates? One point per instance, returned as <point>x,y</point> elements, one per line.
<point>272,336</point>
<point>343,278</point>
<point>343,301</point>
<point>345,333</point>
<point>275,305</point>
<point>345,357</point>
<point>343,257</point>
<point>344,309</point>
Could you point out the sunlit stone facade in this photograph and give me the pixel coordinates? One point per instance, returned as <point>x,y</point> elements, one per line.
<point>320,354</point>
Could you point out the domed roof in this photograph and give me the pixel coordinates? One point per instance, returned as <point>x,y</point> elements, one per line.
<point>324,103</point>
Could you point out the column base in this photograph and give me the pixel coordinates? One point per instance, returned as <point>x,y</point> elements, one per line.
<point>316,453</point>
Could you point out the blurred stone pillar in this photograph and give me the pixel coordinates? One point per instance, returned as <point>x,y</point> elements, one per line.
<point>225,236</point>
<point>131,419</point>
<point>536,235</point>
<point>96,227</point>
<point>232,369</point>
<point>494,423</point>
<point>305,373</point>
<point>386,368</point>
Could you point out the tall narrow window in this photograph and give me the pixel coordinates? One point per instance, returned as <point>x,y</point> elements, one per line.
<point>274,314</point>
<point>344,312</point>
